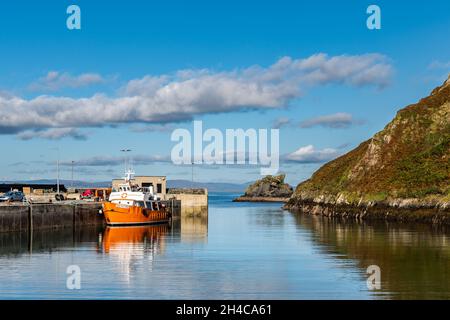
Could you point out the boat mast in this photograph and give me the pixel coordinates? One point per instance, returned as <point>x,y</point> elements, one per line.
<point>128,171</point>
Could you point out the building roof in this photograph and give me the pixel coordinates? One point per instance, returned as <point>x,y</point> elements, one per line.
<point>5,187</point>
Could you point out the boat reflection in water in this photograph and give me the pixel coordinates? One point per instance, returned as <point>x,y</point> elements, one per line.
<point>133,247</point>
<point>140,237</point>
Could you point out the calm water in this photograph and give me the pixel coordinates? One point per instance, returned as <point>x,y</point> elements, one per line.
<point>241,251</point>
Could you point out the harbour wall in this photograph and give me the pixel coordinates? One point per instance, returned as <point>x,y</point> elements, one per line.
<point>23,217</point>
<point>193,202</point>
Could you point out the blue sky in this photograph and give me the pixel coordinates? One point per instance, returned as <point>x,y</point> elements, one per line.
<point>125,47</point>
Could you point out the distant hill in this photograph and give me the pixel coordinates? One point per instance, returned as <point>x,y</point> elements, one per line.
<point>211,186</point>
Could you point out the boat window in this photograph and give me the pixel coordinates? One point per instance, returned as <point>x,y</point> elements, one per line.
<point>152,205</point>
<point>124,188</point>
<point>139,204</point>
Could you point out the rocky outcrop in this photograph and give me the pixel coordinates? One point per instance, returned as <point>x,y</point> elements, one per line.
<point>403,169</point>
<point>268,189</point>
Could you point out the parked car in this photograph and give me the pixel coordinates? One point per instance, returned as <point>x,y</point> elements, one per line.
<point>12,196</point>
<point>59,197</point>
<point>88,194</point>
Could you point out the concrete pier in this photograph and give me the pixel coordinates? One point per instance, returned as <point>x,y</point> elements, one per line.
<point>22,217</point>
<point>29,216</point>
<point>194,202</point>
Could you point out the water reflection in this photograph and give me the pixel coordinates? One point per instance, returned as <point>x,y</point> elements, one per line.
<point>143,238</point>
<point>414,259</point>
<point>128,247</point>
<point>129,251</point>
<point>46,240</point>
<point>239,251</point>
<point>148,239</point>
<point>194,228</point>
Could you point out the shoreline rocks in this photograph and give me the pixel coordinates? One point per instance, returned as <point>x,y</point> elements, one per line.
<point>400,210</point>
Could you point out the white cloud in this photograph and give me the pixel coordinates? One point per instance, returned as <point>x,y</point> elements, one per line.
<point>55,80</point>
<point>337,120</point>
<point>146,86</point>
<point>179,97</point>
<point>439,65</point>
<point>102,161</point>
<point>309,154</point>
<point>153,128</point>
<point>281,122</point>
<point>52,134</point>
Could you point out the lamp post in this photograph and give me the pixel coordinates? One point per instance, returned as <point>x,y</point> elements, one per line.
<point>71,183</point>
<point>57,176</point>
<point>57,170</point>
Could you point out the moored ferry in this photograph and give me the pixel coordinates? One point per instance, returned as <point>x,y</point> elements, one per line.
<point>133,205</point>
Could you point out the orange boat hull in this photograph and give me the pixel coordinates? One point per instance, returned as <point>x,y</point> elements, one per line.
<point>118,215</point>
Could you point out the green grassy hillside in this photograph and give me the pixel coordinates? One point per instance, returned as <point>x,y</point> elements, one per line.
<point>409,158</point>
